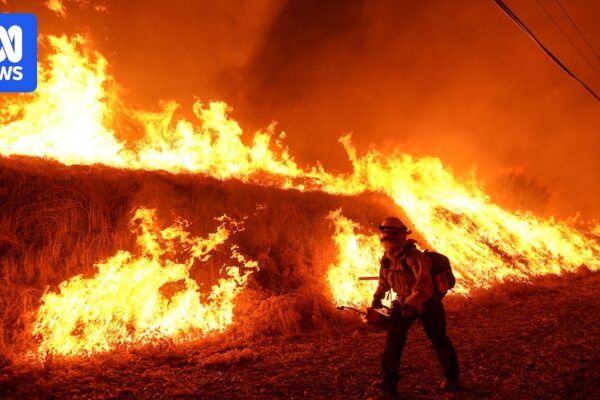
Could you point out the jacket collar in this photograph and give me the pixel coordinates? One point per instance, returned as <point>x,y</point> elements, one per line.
<point>402,253</point>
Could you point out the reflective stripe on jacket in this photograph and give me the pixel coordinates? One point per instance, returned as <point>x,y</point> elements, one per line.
<point>408,275</point>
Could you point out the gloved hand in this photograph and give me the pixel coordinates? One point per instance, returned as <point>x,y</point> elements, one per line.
<point>376,303</point>
<point>408,311</point>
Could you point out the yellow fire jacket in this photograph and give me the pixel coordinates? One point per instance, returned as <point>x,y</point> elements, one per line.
<point>408,275</point>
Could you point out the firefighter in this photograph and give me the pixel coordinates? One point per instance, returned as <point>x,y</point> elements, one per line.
<point>406,270</point>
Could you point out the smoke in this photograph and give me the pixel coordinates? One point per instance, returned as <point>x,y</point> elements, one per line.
<point>160,50</point>
<point>453,79</point>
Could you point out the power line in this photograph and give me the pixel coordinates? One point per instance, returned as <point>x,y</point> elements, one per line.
<point>567,37</point>
<point>577,29</point>
<point>516,19</point>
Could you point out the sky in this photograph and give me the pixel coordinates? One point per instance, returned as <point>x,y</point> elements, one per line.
<point>456,80</point>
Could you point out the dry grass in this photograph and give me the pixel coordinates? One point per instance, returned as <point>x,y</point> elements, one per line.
<point>56,222</point>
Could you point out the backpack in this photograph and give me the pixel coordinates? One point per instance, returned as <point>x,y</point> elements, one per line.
<point>441,273</point>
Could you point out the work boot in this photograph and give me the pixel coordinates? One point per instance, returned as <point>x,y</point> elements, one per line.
<point>449,385</point>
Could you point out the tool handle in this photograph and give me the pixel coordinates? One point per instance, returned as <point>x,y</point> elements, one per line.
<point>357,311</point>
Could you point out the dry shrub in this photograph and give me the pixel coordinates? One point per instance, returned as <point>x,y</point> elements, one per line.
<point>259,312</point>
<point>264,314</point>
<point>518,190</point>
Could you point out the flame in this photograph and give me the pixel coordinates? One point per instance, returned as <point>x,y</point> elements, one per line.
<point>64,118</point>
<point>126,301</point>
<point>485,243</point>
<point>57,6</point>
<point>358,256</point>
<point>69,119</point>
<point>562,250</point>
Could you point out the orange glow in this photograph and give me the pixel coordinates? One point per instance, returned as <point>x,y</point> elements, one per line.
<point>126,301</point>
<point>358,256</point>
<point>67,120</point>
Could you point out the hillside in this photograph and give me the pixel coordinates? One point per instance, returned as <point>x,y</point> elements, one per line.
<point>287,340</point>
<point>57,222</point>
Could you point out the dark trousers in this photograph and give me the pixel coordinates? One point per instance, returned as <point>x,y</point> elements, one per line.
<point>433,320</point>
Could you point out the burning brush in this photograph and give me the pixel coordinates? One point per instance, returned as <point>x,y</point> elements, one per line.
<point>144,297</point>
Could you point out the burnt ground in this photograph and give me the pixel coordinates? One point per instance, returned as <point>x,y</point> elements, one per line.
<point>518,341</point>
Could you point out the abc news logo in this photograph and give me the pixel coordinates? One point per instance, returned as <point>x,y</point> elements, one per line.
<point>18,52</point>
<point>11,40</point>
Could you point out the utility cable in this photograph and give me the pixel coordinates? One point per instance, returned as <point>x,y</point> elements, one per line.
<point>516,19</point>
<point>577,29</point>
<point>567,37</point>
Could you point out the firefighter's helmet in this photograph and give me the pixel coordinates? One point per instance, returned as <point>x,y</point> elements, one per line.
<point>393,224</point>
